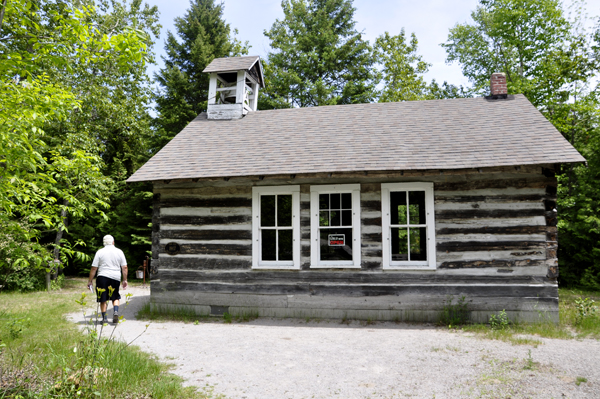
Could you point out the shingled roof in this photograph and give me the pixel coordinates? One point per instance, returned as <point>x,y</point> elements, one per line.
<point>231,64</point>
<point>414,135</point>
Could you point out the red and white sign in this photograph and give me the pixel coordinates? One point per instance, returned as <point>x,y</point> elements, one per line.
<point>337,240</point>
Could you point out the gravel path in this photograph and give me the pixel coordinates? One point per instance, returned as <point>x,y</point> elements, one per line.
<point>271,358</point>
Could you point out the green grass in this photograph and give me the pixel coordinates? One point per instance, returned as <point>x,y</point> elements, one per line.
<point>38,342</point>
<point>567,328</point>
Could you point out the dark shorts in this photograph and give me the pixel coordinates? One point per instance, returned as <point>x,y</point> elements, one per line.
<point>105,282</point>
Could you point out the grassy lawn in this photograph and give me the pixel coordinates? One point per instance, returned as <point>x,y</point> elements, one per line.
<point>42,355</point>
<point>569,326</point>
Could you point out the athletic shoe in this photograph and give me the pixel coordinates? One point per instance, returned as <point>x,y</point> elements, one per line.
<point>115,317</point>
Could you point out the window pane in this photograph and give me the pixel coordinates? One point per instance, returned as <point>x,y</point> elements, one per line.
<point>323,201</point>
<point>399,244</point>
<point>416,201</point>
<point>267,210</point>
<point>268,244</point>
<point>284,210</point>
<point>340,245</point>
<point>418,243</point>
<point>335,218</point>
<point>346,218</point>
<point>335,201</point>
<point>324,218</point>
<point>285,244</point>
<point>347,201</point>
<point>398,207</point>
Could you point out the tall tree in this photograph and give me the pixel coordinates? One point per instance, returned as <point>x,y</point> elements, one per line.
<point>552,61</point>
<point>114,116</point>
<point>43,180</point>
<point>203,35</point>
<point>319,57</point>
<point>403,69</point>
<point>526,39</point>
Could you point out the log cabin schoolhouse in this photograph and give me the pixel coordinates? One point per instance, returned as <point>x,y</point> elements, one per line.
<point>381,211</point>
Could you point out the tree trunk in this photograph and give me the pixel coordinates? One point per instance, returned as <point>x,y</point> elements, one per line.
<point>59,235</point>
<point>2,13</point>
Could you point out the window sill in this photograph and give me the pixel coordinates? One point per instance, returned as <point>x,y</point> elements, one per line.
<point>275,267</point>
<point>410,268</point>
<point>338,266</point>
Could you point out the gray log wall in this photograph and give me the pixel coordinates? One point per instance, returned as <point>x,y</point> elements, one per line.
<point>496,245</point>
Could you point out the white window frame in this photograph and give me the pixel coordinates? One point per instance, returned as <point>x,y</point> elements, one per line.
<point>388,263</point>
<point>257,263</point>
<point>315,247</point>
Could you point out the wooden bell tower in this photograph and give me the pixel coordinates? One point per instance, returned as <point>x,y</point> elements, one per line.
<point>234,86</point>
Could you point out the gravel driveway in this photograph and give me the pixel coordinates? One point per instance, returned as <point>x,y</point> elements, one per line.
<point>272,358</point>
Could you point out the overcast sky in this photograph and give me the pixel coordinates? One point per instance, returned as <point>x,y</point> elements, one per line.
<point>430,20</point>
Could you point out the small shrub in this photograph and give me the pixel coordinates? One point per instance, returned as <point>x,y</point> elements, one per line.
<point>529,363</point>
<point>499,321</point>
<point>454,314</point>
<point>580,380</point>
<point>227,317</point>
<point>16,327</point>
<point>585,308</point>
<point>58,283</point>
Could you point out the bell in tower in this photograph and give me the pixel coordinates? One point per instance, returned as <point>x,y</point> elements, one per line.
<point>234,86</point>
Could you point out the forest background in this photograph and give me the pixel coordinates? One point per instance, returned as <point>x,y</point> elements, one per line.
<point>80,112</point>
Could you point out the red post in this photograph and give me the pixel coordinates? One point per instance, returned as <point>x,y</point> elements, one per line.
<point>145,266</point>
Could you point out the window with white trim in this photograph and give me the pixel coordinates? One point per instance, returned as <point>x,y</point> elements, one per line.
<point>335,226</point>
<point>276,227</point>
<point>408,226</point>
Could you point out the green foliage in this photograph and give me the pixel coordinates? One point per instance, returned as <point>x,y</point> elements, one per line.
<point>22,258</point>
<point>522,38</point>
<point>585,308</point>
<point>579,380</point>
<point>499,321</point>
<point>203,36</point>
<point>529,363</point>
<point>59,63</point>
<point>16,326</point>
<point>403,69</point>
<point>319,57</point>
<point>579,195</point>
<point>454,314</point>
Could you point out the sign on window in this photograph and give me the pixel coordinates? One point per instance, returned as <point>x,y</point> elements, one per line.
<point>337,240</point>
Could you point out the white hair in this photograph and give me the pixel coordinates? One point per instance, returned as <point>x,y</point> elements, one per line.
<point>108,240</point>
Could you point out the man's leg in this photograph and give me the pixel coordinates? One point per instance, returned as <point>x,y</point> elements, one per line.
<point>116,311</point>
<point>103,306</point>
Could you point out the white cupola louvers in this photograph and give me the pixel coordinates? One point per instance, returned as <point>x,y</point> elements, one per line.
<point>234,86</point>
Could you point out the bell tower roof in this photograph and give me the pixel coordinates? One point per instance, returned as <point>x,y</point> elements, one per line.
<point>250,64</point>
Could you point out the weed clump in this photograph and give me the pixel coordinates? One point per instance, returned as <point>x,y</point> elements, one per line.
<point>454,314</point>
<point>585,308</point>
<point>499,321</point>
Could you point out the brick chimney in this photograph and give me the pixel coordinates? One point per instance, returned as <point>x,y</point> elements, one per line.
<point>498,85</point>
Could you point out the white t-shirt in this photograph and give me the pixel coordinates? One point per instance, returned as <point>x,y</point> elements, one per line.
<point>109,260</point>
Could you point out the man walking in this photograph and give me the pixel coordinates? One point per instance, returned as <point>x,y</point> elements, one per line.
<point>109,262</point>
